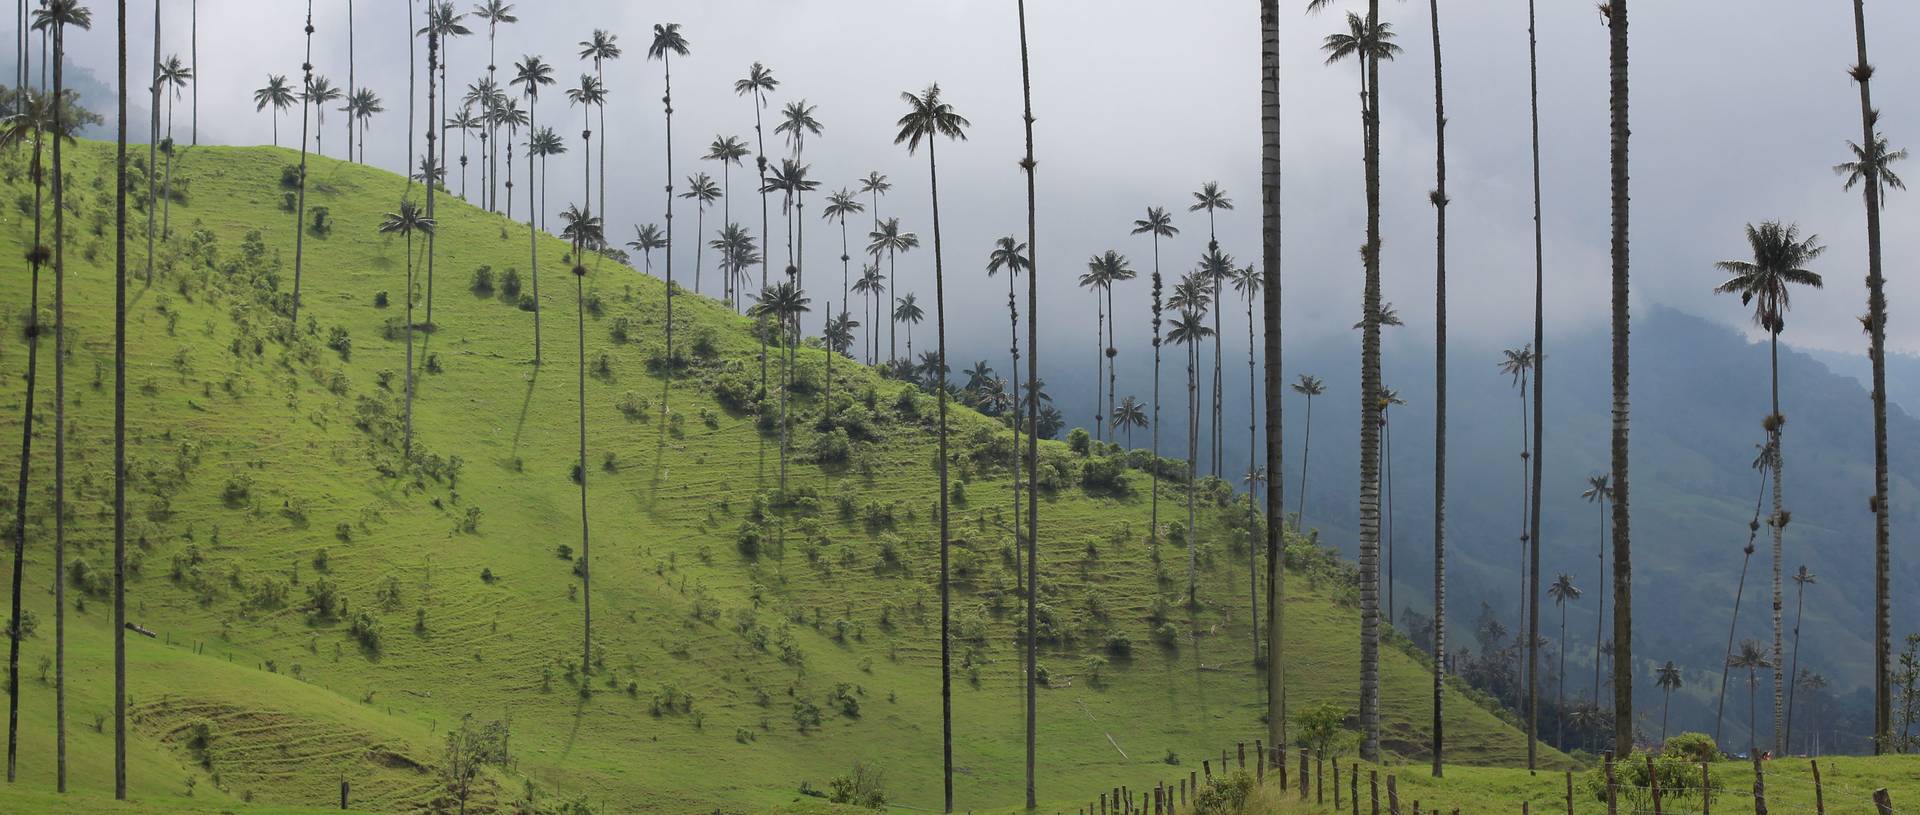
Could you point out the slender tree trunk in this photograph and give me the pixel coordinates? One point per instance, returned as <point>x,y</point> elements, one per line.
<point>533,232</point>
<point>300,208</point>
<point>1370,439</point>
<point>1622,528</point>
<point>350,84</point>
<point>766,236</point>
<point>37,257</point>
<point>1539,409</point>
<point>1306,446</point>
<point>1439,199</point>
<point>166,195</point>
<point>1665,708</point>
<point>666,100</point>
<point>406,446</point>
<point>1793,673</point>
<point>1113,360</point>
<point>1778,523</point>
<point>1876,351</point>
<point>119,406</point>
<point>586,567</point>
<point>1253,482</point>
<point>1600,617</point>
<point>1271,301</point>
<point>940,319</point>
<point>1560,706</point>
<point>1193,471</point>
<point>1100,363</point>
<point>153,159</point>
<point>1033,407</point>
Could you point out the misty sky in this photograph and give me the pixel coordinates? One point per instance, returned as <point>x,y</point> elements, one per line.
<point>1737,117</point>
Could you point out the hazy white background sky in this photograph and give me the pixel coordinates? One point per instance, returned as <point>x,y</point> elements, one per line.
<point>1740,107</point>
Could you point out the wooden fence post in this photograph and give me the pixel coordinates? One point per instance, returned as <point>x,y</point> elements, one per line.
<point>1653,783</point>
<point>1206,766</point>
<point>1759,786</point>
<point>1157,806</point>
<point>345,785</point>
<point>1569,792</point>
<point>1373,790</point>
<point>1103,803</point>
<point>1882,801</point>
<point>1526,808</point>
<point>1613,798</point>
<point>1259,761</point>
<point>1336,786</point>
<point>1353,787</point>
<point>1193,784</point>
<point>1242,747</point>
<point>1416,806</point>
<point>1393,796</point>
<point>1183,792</point>
<point>1819,795</point>
<point>1279,759</point>
<point>1706,790</point>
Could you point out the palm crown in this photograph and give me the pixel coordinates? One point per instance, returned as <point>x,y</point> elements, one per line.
<point>1309,385</point>
<point>840,204</point>
<point>927,116</point>
<point>889,238</point>
<point>1562,589</point>
<point>907,310</point>
<point>409,220</point>
<point>1009,254</point>
<point>701,187</point>
<point>1157,222</point>
<point>726,150</point>
<point>1373,41</point>
<point>530,73</point>
<point>1210,197</point>
<point>1778,255</point>
<point>603,46</point>
<point>276,93</point>
<point>796,121</point>
<point>759,82</point>
<point>1876,159</point>
<point>667,41</point>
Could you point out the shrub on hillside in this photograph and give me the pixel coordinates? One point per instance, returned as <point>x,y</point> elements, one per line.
<point>482,281</point>
<point>1105,476</point>
<point>510,285</point>
<point>1078,441</point>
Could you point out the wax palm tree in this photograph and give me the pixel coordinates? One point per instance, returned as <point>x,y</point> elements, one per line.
<point>907,310</point>
<point>1438,197</point>
<point>889,238</point>
<point>546,144</point>
<point>667,42</point>
<point>276,95</point>
<point>840,204</point>
<point>783,304</point>
<point>1778,257</point>
<point>875,184</point>
<point>496,13</point>
<point>53,18</point>
<point>601,48</point>
<point>1308,386</point>
<point>796,121</point>
<point>1159,225</point>
<point>871,285</point>
<point>1668,679</point>
<point>485,97</point>
<point>1010,254</point>
<point>759,82</point>
<point>321,91</point>
<point>1114,269</point>
<point>1616,16</point>
<point>1752,656</point>
<point>1211,198</point>
<point>510,116</point>
<point>1762,463</point>
<point>1539,377</point>
<point>465,122</point>
<point>589,94</point>
<point>928,118</point>
<point>1599,491</point>
<point>1129,414</point>
<point>1517,364</point>
<point>1389,397</point>
<point>1095,279</point>
<point>1247,282</point>
<point>448,25</point>
<point>33,119</point>
<point>647,237</point>
<point>157,89</point>
<point>838,335</point>
<point>1189,330</point>
<point>728,150</point>
<point>1801,579</point>
<point>300,203</point>
<point>1563,591</point>
<point>791,181</point>
<point>1368,41</point>
<point>702,191</point>
<point>408,220</point>
<point>737,253</point>
<point>361,107</point>
<point>531,73</point>
<point>174,75</point>
<point>585,232</point>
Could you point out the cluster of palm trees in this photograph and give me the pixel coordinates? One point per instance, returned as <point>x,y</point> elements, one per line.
<point>1367,39</point>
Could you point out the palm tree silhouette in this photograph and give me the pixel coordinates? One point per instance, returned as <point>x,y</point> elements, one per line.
<point>647,237</point>
<point>1159,225</point>
<point>1761,463</point>
<point>496,13</point>
<point>728,150</point>
<point>1247,282</point>
<point>1189,330</point>
<point>486,97</point>
<point>1563,591</point>
<point>1309,386</point>
<point>174,75</point>
<point>738,255</point>
<point>1128,415</point>
<point>546,143</point>
<point>703,192</point>
<point>1623,666</point>
<point>530,73</point>
<point>1752,656</point>
<point>783,304</point>
<point>928,118</point>
<point>1010,254</point>
<point>906,310</point>
<point>407,221</point>
<point>796,122</point>
<point>510,116</point>
<point>1801,579</point>
<point>1104,270</point>
<point>667,42</point>
<point>871,285</point>
<point>759,82</point>
<point>1778,255</point>
<point>466,123</point>
<point>449,26</point>
<point>361,107</point>
<point>1668,680</point>
<point>888,237</point>
<point>589,94</point>
<point>840,204</point>
<point>585,232</point>
<point>277,95</point>
<point>1211,198</point>
<point>603,47</point>
<point>1438,197</point>
<point>34,119</point>
<point>1599,491</point>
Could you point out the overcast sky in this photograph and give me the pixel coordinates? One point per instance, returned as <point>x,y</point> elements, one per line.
<point>1740,107</point>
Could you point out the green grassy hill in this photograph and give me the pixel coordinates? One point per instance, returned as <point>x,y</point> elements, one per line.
<point>260,471</point>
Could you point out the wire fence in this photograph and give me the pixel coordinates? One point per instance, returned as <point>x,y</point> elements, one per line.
<point>1766,788</point>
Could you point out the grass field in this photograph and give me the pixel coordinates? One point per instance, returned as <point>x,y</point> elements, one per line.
<point>259,471</point>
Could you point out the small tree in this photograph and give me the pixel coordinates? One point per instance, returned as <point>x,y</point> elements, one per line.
<point>1321,727</point>
<point>469,750</point>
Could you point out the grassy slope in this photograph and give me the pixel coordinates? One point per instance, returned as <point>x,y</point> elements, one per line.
<point>663,522</point>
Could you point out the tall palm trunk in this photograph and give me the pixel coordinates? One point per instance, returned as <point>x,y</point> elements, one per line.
<point>1739,594</point>
<point>37,257</point>
<point>1876,350</point>
<point>1013,334</point>
<point>533,231</point>
<point>1306,447</point>
<point>940,329</point>
<point>1111,353</point>
<point>1560,706</point>
<point>153,160</point>
<point>893,323</point>
<point>1778,524</point>
<point>666,100</point>
<point>1439,199</point>
<point>1622,528</point>
<point>766,236</point>
<point>1270,318</point>
<point>1100,362</point>
<point>1253,485</point>
<point>1539,410</point>
<point>350,84</point>
<point>1793,673</point>
<point>119,409</point>
<point>1370,433</point>
<point>1600,616</point>
<point>1217,433</point>
<point>446,93</point>
<point>1033,407</point>
<point>586,568</point>
<point>406,445</point>
<point>166,194</point>
<point>1153,525</point>
<point>1193,471</point>
<point>300,208</point>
